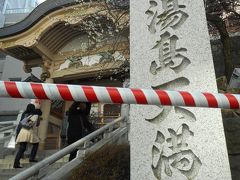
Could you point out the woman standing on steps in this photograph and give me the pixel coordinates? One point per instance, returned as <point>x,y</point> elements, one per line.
<point>29,111</point>
<point>26,136</point>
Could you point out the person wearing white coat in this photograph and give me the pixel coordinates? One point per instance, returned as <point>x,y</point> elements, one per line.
<point>28,136</point>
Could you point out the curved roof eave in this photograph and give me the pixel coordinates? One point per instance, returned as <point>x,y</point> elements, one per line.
<point>35,16</point>
<point>39,12</point>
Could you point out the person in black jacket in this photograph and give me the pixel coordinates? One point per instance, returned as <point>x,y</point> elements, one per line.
<point>78,124</point>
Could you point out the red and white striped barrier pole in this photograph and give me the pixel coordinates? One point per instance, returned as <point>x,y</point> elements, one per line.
<point>117,95</point>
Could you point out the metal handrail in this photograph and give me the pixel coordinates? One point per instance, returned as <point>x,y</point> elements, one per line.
<point>60,154</point>
<point>5,138</point>
<point>10,127</point>
<point>13,124</point>
<point>7,128</point>
<point>2,130</point>
<point>7,122</point>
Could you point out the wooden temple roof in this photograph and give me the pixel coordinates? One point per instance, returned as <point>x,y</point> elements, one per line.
<point>38,38</point>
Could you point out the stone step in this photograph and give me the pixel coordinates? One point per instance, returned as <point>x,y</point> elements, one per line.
<point>5,152</point>
<point>27,165</point>
<point>43,153</point>
<point>7,163</point>
<point>8,173</point>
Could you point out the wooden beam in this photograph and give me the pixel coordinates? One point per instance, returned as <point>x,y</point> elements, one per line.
<point>106,47</point>
<point>43,51</point>
<point>34,62</point>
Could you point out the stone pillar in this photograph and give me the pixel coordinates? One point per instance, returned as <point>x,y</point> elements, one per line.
<point>42,132</point>
<point>170,49</point>
<point>125,108</point>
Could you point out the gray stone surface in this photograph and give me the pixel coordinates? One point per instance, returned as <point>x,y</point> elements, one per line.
<point>166,142</point>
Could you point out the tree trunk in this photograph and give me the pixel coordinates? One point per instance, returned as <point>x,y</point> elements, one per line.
<point>226,42</point>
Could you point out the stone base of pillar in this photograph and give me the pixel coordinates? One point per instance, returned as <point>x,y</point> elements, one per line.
<point>41,146</point>
<point>43,128</point>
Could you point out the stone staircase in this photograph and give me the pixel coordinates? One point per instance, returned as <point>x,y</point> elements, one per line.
<point>6,164</point>
<point>54,162</point>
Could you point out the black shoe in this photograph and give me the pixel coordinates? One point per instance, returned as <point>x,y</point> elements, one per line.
<point>18,166</point>
<point>33,160</point>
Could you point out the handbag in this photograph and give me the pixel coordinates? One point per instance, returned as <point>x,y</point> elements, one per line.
<point>27,123</point>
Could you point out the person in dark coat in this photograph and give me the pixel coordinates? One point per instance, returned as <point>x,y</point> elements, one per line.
<point>78,116</point>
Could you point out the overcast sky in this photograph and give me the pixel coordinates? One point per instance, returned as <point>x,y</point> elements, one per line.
<point>40,1</point>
